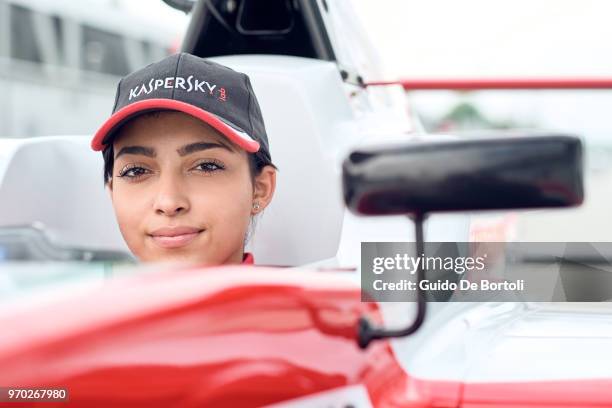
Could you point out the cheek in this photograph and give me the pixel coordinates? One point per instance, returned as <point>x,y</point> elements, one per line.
<point>225,205</point>
<point>130,210</point>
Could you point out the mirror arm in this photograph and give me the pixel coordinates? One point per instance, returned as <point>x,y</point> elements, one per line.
<point>368,331</point>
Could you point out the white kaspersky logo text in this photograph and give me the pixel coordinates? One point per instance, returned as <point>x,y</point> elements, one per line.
<point>190,84</point>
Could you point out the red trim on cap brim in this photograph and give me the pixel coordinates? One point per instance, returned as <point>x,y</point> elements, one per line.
<point>250,146</point>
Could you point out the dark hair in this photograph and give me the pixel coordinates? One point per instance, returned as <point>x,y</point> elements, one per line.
<point>257,160</point>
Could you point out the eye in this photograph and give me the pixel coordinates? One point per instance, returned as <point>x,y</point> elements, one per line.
<point>209,166</point>
<point>133,172</point>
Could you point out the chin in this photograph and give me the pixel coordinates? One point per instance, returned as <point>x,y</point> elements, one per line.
<point>173,255</point>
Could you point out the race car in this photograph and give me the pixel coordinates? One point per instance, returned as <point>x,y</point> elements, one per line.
<point>96,330</point>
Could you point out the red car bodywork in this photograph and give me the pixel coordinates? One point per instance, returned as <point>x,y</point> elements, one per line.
<point>233,337</point>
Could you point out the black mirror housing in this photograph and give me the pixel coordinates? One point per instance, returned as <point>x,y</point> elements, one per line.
<point>507,172</point>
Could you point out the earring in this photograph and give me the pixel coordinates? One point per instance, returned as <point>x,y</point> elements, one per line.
<point>256,206</point>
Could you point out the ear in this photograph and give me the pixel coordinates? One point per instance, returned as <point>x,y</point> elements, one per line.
<point>263,188</point>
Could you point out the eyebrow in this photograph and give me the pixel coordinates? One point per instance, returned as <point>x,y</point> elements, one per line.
<point>145,151</point>
<point>198,146</point>
<point>183,151</point>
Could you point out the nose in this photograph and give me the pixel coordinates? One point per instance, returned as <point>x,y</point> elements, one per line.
<point>171,198</point>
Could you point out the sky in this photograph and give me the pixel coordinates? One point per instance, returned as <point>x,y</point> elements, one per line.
<point>494,38</point>
<point>484,38</point>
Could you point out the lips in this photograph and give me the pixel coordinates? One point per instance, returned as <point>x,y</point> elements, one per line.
<point>174,237</point>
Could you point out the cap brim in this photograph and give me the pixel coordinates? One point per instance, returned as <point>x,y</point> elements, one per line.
<point>233,133</point>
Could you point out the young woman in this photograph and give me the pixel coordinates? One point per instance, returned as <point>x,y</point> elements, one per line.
<point>186,161</point>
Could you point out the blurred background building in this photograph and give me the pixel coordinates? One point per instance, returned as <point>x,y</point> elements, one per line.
<point>60,60</point>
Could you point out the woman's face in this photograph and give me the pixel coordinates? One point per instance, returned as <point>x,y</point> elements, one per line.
<point>183,192</point>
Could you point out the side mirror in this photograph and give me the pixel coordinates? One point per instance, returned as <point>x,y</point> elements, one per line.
<point>460,175</point>
<point>464,175</point>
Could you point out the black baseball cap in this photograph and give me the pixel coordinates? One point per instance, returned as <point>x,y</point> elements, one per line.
<point>211,92</point>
